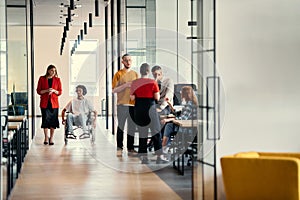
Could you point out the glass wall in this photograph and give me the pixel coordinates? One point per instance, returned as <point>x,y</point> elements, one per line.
<point>202,37</point>
<point>180,37</point>
<point>17,58</point>
<point>185,47</point>
<point>14,65</point>
<point>136,31</point>
<point>3,57</point>
<point>3,87</point>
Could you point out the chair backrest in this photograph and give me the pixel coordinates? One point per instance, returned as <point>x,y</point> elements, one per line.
<point>250,177</point>
<point>19,98</point>
<point>177,89</point>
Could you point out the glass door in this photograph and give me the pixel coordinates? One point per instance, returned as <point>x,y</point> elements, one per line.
<point>17,57</point>
<point>17,68</point>
<point>3,95</point>
<point>202,37</point>
<point>180,37</point>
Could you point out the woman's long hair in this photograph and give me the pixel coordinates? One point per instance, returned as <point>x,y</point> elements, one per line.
<point>188,94</point>
<point>51,67</point>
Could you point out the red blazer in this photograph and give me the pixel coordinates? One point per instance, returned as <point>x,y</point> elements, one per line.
<point>43,85</point>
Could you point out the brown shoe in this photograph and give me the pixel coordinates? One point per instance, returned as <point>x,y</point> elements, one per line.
<point>132,152</point>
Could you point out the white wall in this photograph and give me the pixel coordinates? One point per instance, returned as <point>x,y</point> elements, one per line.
<point>47,51</point>
<point>258,45</point>
<point>17,60</point>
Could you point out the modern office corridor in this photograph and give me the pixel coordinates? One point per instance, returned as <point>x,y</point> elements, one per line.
<point>80,170</point>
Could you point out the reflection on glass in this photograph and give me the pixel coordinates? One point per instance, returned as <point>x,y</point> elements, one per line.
<point>136,3</point>
<point>3,87</point>
<point>17,54</point>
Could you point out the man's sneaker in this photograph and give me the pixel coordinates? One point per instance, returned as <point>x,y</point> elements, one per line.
<point>165,150</point>
<point>144,160</point>
<point>84,135</point>
<point>132,153</point>
<point>162,160</point>
<point>70,135</point>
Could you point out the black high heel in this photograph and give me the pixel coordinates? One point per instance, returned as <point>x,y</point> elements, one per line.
<point>51,143</point>
<point>45,142</point>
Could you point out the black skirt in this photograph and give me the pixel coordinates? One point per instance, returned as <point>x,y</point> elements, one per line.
<point>50,117</point>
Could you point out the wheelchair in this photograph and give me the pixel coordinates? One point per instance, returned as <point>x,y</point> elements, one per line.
<point>77,129</point>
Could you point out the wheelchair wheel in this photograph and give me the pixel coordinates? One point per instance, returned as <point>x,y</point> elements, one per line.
<point>66,140</point>
<point>92,134</point>
<point>65,137</point>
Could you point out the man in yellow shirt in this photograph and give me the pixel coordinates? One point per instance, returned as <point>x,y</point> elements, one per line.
<point>121,84</point>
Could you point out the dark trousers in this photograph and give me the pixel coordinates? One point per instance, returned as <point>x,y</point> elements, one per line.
<point>125,114</point>
<point>146,117</point>
<point>156,139</point>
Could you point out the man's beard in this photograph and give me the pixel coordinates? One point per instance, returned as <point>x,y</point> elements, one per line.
<point>126,67</point>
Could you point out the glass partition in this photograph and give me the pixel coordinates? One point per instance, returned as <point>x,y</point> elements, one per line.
<point>3,95</point>
<point>17,59</point>
<point>136,31</point>
<point>202,36</point>
<point>180,37</point>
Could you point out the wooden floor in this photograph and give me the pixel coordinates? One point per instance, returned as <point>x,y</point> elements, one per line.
<point>83,171</point>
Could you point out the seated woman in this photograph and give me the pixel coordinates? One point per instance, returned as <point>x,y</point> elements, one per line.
<point>189,112</point>
<point>78,110</point>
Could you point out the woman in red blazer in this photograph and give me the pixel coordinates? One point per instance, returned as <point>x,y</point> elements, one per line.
<point>49,88</point>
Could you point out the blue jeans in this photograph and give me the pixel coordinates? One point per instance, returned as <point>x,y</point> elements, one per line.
<point>77,120</point>
<point>169,129</point>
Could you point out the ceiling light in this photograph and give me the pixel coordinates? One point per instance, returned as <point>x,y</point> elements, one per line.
<point>85,28</point>
<point>96,8</point>
<point>72,4</point>
<point>81,34</point>
<point>90,20</point>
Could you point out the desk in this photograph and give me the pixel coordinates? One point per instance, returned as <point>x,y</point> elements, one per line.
<point>170,116</point>
<point>9,143</point>
<point>188,123</point>
<point>19,118</point>
<point>16,127</point>
<point>24,133</point>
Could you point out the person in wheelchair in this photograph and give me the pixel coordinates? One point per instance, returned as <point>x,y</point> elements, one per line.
<point>188,112</point>
<point>78,112</point>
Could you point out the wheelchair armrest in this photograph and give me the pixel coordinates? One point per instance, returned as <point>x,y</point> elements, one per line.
<point>4,120</point>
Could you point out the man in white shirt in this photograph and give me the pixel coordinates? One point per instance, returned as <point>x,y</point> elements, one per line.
<point>166,87</point>
<point>78,110</point>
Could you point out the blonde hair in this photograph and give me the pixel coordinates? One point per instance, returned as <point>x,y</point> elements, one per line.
<point>188,94</point>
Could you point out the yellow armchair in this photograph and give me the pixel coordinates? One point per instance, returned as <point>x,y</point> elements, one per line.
<point>261,176</point>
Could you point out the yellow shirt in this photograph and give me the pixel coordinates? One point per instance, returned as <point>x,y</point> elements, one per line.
<point>121,77</point>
